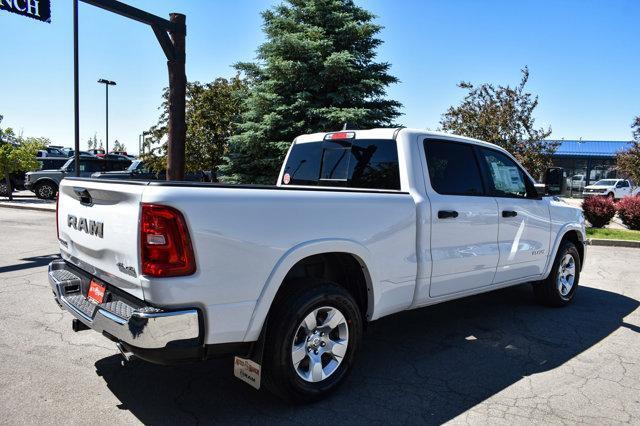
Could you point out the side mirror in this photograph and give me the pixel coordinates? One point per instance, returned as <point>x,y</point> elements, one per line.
<point>541,189</point>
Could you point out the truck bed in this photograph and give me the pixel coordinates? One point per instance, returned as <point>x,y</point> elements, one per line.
<point>241,234</point>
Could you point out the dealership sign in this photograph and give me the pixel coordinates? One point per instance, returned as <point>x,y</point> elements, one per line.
<point>36,9</point>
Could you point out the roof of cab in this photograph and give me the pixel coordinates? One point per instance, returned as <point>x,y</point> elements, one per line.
<point>389,133</point>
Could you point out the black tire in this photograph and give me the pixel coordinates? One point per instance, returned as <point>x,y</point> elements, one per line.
<point>4,189</point>
<point>612,196</point>
<point>303,298</point>
<point>548,292</point>
<point>46,190</point>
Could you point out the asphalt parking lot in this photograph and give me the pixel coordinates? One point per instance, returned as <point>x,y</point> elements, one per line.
<point>496,358</point>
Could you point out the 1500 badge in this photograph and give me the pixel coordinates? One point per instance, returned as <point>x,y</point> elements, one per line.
<point>537,252</point>
<point>91,227</point>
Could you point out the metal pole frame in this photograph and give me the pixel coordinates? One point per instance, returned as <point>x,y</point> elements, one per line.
<point>170,35</point>
<point>76,91</point>
<point>107,119</point>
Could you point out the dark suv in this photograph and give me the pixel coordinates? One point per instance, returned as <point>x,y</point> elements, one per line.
<point>45,182</point>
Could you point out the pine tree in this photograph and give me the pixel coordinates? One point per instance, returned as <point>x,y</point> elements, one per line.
<point>315,72</point>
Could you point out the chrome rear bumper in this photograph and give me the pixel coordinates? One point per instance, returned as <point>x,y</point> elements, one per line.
<point>131,322</point>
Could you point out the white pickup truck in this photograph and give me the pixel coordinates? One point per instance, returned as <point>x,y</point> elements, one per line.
<point>361,224</point>
<point>612,188</point>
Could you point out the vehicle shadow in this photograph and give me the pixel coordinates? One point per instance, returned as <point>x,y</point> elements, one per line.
<point>30,262</point>
<point>427,365</point>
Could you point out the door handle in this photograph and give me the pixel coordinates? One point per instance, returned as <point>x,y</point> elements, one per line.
<point>445,214</point>
<point>509,213</point>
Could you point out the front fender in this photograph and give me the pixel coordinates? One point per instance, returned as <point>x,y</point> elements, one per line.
<point>293,256</point>
<point>556,243</point>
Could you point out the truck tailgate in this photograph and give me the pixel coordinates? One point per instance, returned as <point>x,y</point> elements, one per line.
<point>98,230</point>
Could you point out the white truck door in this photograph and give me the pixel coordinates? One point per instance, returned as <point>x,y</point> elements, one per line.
<point>525,227</point>
<point>464,221</point>
<point>623,188</point>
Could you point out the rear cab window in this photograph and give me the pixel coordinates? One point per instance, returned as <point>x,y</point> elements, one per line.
<point>349,163</point>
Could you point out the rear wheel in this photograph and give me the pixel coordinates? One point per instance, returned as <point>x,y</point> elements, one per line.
<point>46,190</point>
<point>560,286</point>
<point>4,188</point>
<point>312,340</point>
<point>611,195</point>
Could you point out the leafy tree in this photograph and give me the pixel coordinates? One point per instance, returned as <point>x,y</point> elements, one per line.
<point>16,158</point>
<point>7,134</point>
<point>119,146</point>
<point>211,111</point>
<point>503,115</point>
<point>628,161</point>
<point>17,154</point>
<point>315,72</point>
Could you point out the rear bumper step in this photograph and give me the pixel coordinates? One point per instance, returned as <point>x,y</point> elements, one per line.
<point>141,326</point>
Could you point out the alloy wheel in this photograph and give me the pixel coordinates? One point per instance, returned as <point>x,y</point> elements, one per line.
<point>320,344</point>
<point>566,275</point>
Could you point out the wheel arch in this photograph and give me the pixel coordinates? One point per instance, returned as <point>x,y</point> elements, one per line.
<point>573,233</point>
<point>45,180</point>
<point>329,250</point>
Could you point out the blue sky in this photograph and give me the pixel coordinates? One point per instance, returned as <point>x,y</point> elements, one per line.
<point>582,56</point>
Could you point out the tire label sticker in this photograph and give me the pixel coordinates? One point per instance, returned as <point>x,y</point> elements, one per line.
<point>247,371</point>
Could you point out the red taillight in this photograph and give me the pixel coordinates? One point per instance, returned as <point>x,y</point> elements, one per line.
<point>57,203</point>
<point>165,245</point>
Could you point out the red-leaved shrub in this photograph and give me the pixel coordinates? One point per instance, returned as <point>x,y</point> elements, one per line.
<point>629,211</point>
<point>598,210</point>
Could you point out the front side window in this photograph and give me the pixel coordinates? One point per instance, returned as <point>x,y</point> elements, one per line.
<point>505,176</point>
<point>353,163</point>
<point>453,169</point>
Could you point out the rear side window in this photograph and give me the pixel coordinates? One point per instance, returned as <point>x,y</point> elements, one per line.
<point>453,169</point>
<point>359,163</point>
<point>91,166</point>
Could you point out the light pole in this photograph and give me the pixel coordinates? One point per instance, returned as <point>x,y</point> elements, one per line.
<point>107,83</point>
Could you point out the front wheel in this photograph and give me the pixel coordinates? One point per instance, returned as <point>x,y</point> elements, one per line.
<point>46,191</point>
<point>559,288</point>
<point>312,339</point>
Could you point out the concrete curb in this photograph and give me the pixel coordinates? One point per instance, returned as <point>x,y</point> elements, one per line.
<point>39,208</point>
<point>613,243</point>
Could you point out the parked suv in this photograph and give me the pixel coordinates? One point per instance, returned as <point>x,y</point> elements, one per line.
<point>45,183</point>
<point>18,178</point>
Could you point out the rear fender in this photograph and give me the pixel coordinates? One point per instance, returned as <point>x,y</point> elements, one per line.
<point>293,256</point>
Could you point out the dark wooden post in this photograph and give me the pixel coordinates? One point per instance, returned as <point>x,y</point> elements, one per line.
<point>177,128</point>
